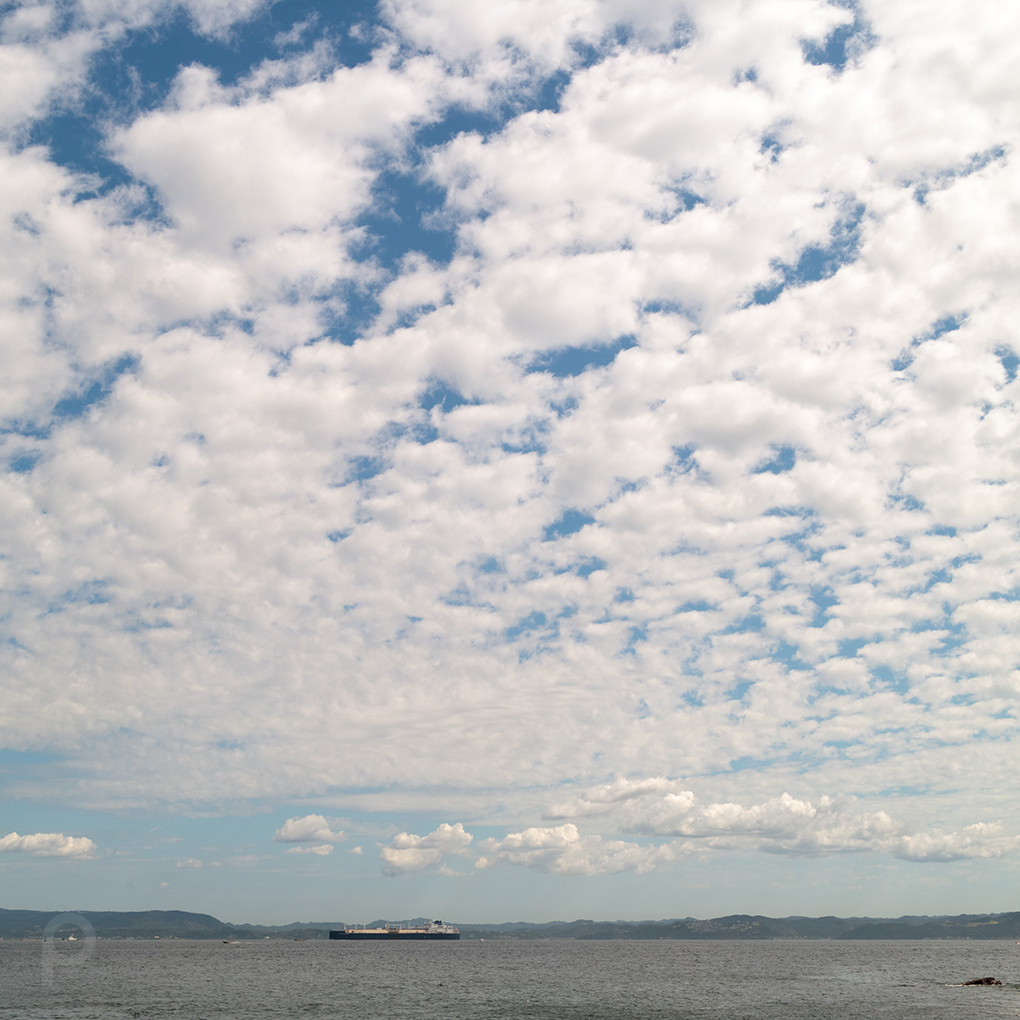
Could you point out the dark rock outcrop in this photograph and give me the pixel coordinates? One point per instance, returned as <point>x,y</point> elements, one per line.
<point>984,981</point>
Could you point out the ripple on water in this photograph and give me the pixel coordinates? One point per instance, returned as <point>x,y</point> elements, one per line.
<point>523,980</point>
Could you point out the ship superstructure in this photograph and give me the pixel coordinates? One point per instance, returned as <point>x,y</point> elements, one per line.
<point>431,930</point>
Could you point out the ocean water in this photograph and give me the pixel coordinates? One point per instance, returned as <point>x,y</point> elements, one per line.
<point>471,980</point>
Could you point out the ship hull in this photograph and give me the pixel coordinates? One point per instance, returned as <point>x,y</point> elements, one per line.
<point>394,936</point>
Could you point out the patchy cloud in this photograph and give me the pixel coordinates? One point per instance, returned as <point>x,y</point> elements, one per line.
<point>309,829</point>
<point>562,850</point>
<point>322,851</point>
<point>48,844</point>
<point>603,799</point>
<point>781,825</point>
<point>407,852</point>
<point>975,841</point>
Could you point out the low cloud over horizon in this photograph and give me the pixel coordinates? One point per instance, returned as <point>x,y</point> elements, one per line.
<point>47,844</point>
<point>780,826</point>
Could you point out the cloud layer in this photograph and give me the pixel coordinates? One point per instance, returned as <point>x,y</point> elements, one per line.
<point>564,391</point>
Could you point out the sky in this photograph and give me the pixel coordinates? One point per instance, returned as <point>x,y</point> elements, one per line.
<point>521,461</point>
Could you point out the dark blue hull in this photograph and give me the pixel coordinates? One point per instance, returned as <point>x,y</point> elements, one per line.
<point>395,936</point>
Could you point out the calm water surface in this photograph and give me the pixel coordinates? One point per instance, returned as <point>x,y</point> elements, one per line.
<point>506,979</point>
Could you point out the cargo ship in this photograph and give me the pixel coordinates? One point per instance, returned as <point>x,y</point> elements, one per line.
<point>431,930</point>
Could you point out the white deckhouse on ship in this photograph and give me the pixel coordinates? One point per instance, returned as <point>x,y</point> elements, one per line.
<point>431,930</point>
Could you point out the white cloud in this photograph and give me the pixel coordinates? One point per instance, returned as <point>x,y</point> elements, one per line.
<point>780,825</point>
<point>48,844</point>
<point>501,33</point>
<point>297,31</point>
<point>312,149</point>
<point>975,841</point>
<point>562,850</point>
<point>190,862</point>
<point>602,799</point>
<point>215,17</point>
<point>309,829</point>
<point>322,851</point>
<point>799,541</point>
<point>407,852</point>
<point>46,48</point>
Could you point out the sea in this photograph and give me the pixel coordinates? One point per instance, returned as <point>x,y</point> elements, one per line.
<point>506,978</point>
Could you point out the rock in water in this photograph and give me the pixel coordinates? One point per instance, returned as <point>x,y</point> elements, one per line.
<point>984,981</point>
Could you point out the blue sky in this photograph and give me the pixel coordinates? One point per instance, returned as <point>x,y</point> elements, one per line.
<point>542,460</point>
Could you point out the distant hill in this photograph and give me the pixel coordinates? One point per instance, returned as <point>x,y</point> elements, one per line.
<point>180,924</point>
<point>147,924</point>
<point>746,926</point>
<point>736,926</point>
<point>997,926</point>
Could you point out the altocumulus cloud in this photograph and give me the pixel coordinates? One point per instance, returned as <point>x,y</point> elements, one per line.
<point>675,438</point>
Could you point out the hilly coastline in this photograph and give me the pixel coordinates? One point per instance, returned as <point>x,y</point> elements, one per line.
<point>180,924</point>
